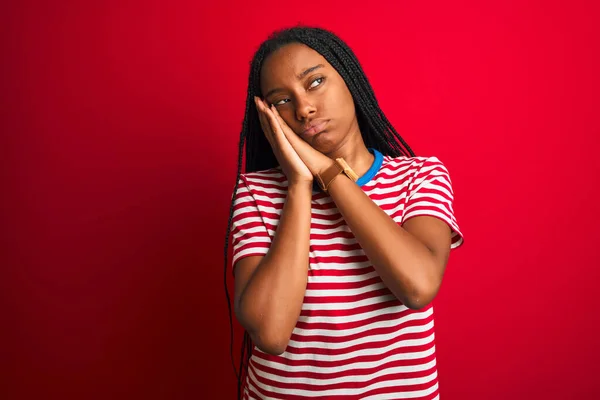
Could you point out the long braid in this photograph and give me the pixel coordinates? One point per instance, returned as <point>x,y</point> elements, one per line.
<point>227,233</point>
<point>248,121</point>
<point>245,341</point>
<point>254,144</point>
<point>376,130</point>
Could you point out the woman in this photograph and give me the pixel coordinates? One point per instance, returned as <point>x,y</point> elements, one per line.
<point>340,234</point>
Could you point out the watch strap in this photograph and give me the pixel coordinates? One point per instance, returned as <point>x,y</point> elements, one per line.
<point>338,167</point>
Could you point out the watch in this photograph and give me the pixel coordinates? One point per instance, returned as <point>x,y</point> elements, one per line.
<point>338,167</point>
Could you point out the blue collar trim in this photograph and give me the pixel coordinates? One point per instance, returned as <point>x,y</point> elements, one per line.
<point>366,178</point>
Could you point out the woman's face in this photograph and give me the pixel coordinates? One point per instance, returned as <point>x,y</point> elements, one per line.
<point>311,97</point>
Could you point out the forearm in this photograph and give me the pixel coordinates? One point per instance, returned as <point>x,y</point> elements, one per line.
<point>406,266</point>
<point>272,300</point>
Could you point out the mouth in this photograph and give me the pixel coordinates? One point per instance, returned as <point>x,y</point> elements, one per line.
<point>314,128</point>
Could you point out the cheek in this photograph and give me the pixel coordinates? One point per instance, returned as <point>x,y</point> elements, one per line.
<point>342,93</point>
<point>343,104</point>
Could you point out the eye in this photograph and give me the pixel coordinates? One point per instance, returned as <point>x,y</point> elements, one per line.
<point>319,80</point>
<point>280,102</point>
<point>314,84</point>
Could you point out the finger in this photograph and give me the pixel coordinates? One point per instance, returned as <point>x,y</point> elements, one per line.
<point>264,124</point>
<point>276,127</point>
<point>277,131</point>
<point>274,109</point>
<point>280,121</point>
<point>284,127</point>
<point>266,127</point>
<point>269,125</point>
<point>265,112</point>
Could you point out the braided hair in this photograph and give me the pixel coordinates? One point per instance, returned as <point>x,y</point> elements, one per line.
<point>377,132</point>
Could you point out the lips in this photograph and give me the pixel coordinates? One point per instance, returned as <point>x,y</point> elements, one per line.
<point>314,127</point>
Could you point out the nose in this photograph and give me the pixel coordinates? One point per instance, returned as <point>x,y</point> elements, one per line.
<point>304,108</point>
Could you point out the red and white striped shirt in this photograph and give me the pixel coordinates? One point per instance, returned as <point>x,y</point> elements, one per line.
<point>354,339</point>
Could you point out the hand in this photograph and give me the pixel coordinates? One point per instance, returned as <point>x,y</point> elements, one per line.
<point>316,161</point>
<point>292,165</point>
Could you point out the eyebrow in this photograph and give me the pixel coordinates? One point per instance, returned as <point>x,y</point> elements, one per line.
<point>299,76</point>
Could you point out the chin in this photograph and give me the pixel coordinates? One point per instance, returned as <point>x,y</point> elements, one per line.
<point>323,146</point>
<point>325,143</point>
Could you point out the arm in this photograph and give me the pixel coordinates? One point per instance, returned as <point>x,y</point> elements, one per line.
<point>269,289</point>
<point>411,258</point>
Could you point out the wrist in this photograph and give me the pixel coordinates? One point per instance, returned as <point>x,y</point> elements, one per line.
<point>324,168</point>
<point>300,183</point>
<point>337,167</point>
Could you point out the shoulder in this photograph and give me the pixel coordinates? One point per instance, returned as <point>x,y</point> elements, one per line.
<point>261,187</point>
<point>403,165</point>
<point>268,185</point>
<point>411,161</point>
<point>268,176</point>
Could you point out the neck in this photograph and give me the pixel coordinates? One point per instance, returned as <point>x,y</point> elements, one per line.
<point>355,153</point>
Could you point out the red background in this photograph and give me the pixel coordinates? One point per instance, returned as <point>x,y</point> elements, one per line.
<point>120,122</point>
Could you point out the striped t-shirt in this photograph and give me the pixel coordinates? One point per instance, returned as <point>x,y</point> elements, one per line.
<point>354,339</point>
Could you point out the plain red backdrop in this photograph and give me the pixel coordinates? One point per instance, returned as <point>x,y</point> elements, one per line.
<point>120,122</point>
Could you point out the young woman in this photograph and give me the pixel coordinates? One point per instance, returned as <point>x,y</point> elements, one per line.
<point>340,233</point>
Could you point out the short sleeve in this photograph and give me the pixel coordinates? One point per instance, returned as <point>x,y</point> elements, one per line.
<point>248,231</point>
<point>430,193</point>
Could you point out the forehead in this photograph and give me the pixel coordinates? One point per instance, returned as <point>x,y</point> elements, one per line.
<point>286,63</point>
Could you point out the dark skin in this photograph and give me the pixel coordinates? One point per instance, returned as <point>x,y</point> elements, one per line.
<point>300,88</point>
